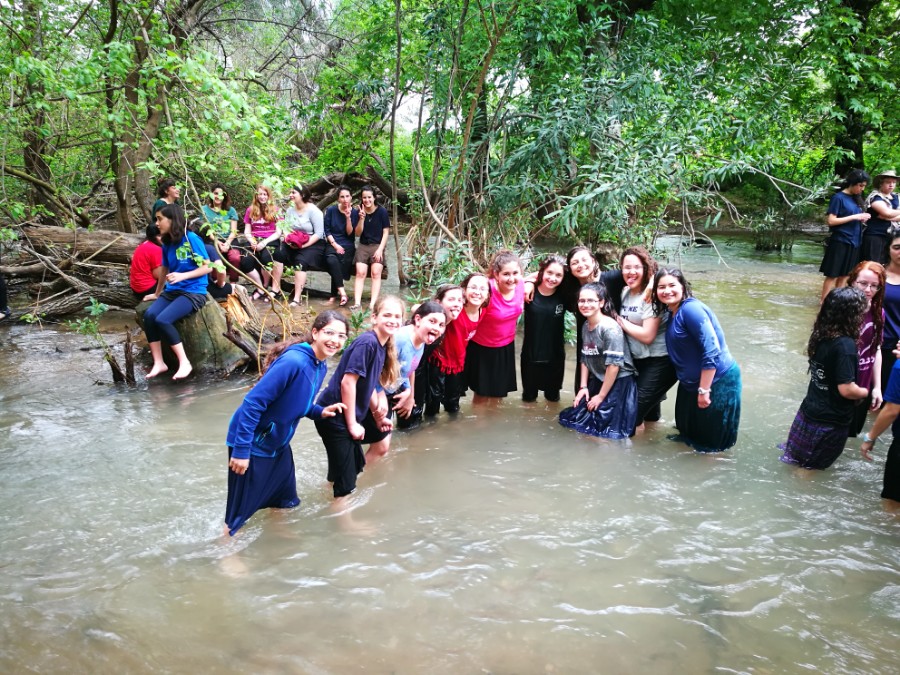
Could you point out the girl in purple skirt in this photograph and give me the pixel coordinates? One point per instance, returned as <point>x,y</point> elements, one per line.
<point>822,424</point>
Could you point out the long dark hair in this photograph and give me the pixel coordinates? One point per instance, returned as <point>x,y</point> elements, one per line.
<point>226,198</point>
<point>839,316</point>
<point>659,307</point>
<point>175,214</point>
<point>608,308</point>
<point>320,322</point>
<point>855,177</point>
<point>578,249</point>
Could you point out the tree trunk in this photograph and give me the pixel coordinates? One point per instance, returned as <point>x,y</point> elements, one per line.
<point>106,246</point>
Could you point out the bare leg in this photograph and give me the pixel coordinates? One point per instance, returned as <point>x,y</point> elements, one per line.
<point>299,283</point>
<point>378,450</point>
<point>277,271</point>
<point>184,366</point>
<point>826,288</point>
<point>358,283</point>
<point>376,282</point>
<point>159,366</point>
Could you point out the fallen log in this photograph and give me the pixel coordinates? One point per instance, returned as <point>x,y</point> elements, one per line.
<point>78,300</point>
<point>99,245</point>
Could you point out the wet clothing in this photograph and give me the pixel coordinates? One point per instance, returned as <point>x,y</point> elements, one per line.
<point>891,486</point>
<point>712,429</point>
<point>491,354</point>
<point>604,345</point>
<point>261,429</point>
<point>409,356</point>
<point>822,425</point>
<point>868,346</point>
<point>365,358</point>
<point>543,357</point>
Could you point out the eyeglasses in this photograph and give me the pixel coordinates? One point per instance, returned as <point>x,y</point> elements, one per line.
<point>331,334</point>
<point>865,286</point>
<point>588,301</point>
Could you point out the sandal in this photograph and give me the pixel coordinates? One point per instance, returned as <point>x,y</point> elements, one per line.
<point>344,300</point>
<point>257,295</point>
<point>355,308</point>
<point>294,303</point>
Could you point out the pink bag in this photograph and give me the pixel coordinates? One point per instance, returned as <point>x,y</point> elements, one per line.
<point>296,239</point>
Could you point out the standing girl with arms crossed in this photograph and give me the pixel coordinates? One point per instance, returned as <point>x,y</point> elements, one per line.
<point>366,366</point>
<point>491,355</point>
<point>606,403</point>
<point>543,358</point>
<point>260,460</point>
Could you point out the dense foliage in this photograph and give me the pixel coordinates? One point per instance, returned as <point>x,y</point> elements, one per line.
<point>597,121</point>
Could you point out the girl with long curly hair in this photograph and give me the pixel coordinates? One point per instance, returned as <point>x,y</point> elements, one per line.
<point>822,424</point>
<point>870,278</point>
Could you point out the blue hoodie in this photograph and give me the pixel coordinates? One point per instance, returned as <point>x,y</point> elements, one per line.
<point>265,422</point>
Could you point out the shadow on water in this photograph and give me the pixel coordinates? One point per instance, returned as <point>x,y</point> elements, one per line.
<point>493,542</point>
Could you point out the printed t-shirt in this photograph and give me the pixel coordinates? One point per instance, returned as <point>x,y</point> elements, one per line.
<point>545,329</point>
<point>636,309</point>
<point>408,355</point>
<point>605,346</point>
<point>181,258</point>
<point>834,363</point>
<point>450,356</point>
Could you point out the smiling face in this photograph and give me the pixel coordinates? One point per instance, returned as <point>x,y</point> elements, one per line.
<point>553,276</point>
<point>508,277</point>
<point>368,201</point>
<point>430,327</point>
<point>589,303</point>
<point>295,197</point>
<point>869,283</point>
<point>452,302</point>
<point>670,291</point>
<point>328,341</point>
<point>388,319</point>
<point>218,196</point>
<point>633,272</point>
<point>262,195</point>
<point>477,291</point>
<point>582,266</point>
<point>173,193</point>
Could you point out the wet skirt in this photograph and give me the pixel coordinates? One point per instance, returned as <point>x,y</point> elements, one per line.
<point>712,429</point>
<point>269,482</point>
<point>812,444</point>
<point>491,371</point>
<point>613,419</point>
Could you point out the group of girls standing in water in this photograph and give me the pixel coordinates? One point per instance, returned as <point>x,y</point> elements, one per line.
<point>464,339</point>
<point>852,348</point>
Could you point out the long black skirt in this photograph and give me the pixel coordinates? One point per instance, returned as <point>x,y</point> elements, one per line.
<point>491,371</point>
<point>712,429</point>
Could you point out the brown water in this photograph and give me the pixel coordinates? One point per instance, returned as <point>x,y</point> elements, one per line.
<point>497,542</point>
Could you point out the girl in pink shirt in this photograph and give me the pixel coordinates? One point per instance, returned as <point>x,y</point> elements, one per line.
<point>491,355</point>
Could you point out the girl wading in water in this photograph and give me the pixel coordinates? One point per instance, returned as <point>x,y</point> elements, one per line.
<point>260,461</point>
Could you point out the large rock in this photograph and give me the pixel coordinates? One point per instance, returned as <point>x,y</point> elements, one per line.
<point>202,334</point>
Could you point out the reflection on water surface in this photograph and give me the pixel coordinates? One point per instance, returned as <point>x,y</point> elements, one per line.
<point>495,542</point>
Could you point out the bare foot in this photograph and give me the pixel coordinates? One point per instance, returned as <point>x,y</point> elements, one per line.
<point>330,302</point>
<point>157,369</point>
<point>184,370</point>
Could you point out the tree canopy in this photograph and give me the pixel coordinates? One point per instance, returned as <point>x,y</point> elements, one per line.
<point>492,120</point>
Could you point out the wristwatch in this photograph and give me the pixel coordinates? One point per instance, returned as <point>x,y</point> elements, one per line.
<point>702,391</point>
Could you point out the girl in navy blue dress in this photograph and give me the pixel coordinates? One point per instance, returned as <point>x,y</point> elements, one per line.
<point>846,216</point>
<point>260,461</point>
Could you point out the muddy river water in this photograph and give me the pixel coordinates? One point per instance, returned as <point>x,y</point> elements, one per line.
<point>495,542</point>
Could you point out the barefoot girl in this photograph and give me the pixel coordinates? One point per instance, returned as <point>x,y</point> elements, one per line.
<point>822,424</point>
<point>262,235</point>
<point>426,327</point>
<point>491,355</point>
<point>543,357</point>
<point>259,453</point>
<point>366,366</point>
<point>869,277</point>
<point>181,289</point>
<point>606,403</point>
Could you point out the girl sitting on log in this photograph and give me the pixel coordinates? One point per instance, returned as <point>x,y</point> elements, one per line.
<point>262,235</point>
<point>181,289</point>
